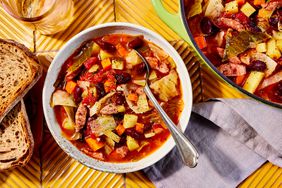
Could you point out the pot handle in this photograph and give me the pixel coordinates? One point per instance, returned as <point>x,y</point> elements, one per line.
<point>174,21</point>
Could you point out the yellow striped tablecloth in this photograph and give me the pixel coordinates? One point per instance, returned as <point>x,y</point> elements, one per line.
<point>51,167</point>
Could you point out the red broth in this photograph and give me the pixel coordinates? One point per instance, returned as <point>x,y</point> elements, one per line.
<point>105,74</point>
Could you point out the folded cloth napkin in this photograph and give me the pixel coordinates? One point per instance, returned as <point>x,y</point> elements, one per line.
<point>233,137</point>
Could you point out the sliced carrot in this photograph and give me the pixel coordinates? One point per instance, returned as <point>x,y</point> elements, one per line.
<point>121,50</point>
<point>139,127</point>
<point>240,2</point>
<point>201,41</point>
<point>120,129</point>
<point>106,63</point>
<point>94,144</point>
<point>70,86</point>
<point>239,79</point>
<point>132,97</point>
<point>259,2</point>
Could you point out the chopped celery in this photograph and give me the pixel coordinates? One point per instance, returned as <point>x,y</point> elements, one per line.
<point>79,59</point>
<point>68,125</point>
<point>108,149</point>
<point>277,35</point>
<point>110,142</point>
<point>112,136</point>
<point>117,64</point>
<point>142,103</point>
<point>95,48</point>
<point>253,81</point>
<point>120,108</point>
<point>129,120</point>
<point>94,68</point>
<point>139,82</point>
<point>153,75</point>
<point>248,9</point>
<point>149,134</point>
<point>131,143</point>
<point>272,49</point>
<point>231,7</point>
<point>104,55</point>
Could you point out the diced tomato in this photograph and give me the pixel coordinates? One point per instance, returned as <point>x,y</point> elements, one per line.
<point>259,2</point>
<point>93,78</point>
<point>89,100</point>
<point>90,62</point>
<point>242,18</point>
<point>240,2</point>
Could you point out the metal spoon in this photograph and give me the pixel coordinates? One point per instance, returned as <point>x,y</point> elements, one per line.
<point>186,149</point>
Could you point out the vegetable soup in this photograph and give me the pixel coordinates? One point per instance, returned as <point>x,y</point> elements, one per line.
<point>99,100</point>
<point>243,39</point>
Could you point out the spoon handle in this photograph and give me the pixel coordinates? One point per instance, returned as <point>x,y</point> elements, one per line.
<point>186,149</point>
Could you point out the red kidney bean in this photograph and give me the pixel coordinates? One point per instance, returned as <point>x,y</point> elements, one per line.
<point>140,68</point>
<point>257,65</point>
<point>207,26</point>
<point>133,133</point>
<point>118,99</point>
<point>123,77</point>
<point>77,94</point>
<point>137,42</point>
<point>107,46</point>
<point>100,90</point>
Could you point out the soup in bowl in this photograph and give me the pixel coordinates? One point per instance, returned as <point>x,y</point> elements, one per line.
<point>98,112</point>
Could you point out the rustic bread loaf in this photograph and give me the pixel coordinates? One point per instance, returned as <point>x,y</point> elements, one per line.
<point>16,141</point>
<point>19,71</point>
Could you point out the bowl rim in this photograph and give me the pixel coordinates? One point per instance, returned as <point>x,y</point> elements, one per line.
<point>209,63</point>
<point>70,149</point>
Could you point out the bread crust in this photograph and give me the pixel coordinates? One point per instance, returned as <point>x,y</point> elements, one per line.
<point>38,74</point>
<point>26,127</point>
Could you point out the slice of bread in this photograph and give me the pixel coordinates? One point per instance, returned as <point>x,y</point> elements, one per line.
<point>16,141</point>
<point>19,71</point>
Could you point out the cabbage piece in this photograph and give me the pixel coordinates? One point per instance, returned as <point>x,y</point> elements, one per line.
<point>142,103</point>
<point>271,80</point>
<point>195,9</point>
<point>166,86</point>
<point>158,52</point>
<point>102,124</point>
<point>213,8</point>
<point>84,54</point>
<point>98,105</point>
<point>62,98</point>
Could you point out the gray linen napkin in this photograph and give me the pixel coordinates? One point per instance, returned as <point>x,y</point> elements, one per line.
<point>233,136</point>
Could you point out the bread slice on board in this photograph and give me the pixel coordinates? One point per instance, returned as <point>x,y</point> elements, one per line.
<point>16,141</point>
<point>19,71</point>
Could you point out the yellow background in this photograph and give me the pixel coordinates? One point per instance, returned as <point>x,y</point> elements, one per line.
<point>51,167</point>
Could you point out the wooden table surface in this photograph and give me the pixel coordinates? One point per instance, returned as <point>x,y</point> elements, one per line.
<point>50,166</point>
